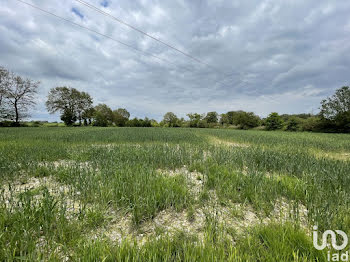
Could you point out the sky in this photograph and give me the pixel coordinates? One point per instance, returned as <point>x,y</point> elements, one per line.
<point>262,56</point>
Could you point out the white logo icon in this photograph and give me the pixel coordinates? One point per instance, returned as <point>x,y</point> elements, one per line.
<point>333,239</point>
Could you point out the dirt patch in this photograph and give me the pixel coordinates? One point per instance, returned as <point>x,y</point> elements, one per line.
<point>66,164</point>
<point>236,216</point>
<point>41,245</point>
<point>169,222</point>
<point>52,185</point>
<point>119,228</point>
<point>216,141</point>
<point>103,145</point>
<point>289,211</point>
<point>193,221</point>
<point>206,155</point>
<point>114,145</point>
<point>35,186</point>
<point>332,155</point>
<point>195,180</point>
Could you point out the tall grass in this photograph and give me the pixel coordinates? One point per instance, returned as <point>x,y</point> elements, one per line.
<point>120,169</point>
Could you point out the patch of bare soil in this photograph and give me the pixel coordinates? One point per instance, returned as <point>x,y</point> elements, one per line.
<point>206,155</point>
<point>216,141</point>
<point>35,186</point>
<point>41,245</point>
<point>167,222</point>
<point>119,228</point>
<point>113,145</point>
<point>195,180</point>
<point>67,164</point>
<point>333,155</point>
<point>285,211</point>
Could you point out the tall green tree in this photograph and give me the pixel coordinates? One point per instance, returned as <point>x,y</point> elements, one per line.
<point>103,115</point>
<point>71,103</point>
<point>88,115</point>
<point>293,124</point>
<point>170,119</point>
<point>195,119</point>
<point>231,116</point>
<point>120,116</point>
<point>83,105</point>
<point>224,119</point>
<point>335,110</point>
<point>246,120</point>
<point>68,117</point>
<point>212,117</point>
<point>274,121</point>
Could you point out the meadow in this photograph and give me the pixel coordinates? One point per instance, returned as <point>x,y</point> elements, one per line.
<point>168,194</point>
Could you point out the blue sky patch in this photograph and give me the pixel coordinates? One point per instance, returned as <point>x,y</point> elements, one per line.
<point>77,12</point>
<point>105,3</point>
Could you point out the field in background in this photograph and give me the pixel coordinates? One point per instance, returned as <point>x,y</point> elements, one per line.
<point>153,194</point>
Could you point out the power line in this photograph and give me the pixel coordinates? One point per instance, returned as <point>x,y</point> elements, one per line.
<point>142,32</point>
<point>150,36</point>
<point>145,53</point>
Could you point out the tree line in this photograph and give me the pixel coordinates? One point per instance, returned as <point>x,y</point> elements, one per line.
<point>76,108</point>
<point>17,96</point>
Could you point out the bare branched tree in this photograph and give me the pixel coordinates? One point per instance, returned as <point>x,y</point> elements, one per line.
<point>17,95</point>
<point>4,84</point>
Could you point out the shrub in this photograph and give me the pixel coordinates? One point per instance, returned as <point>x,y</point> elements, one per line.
<point>247,120</point>
<point>293,124</point>
<point>273,122</point>
<point>311,124</point>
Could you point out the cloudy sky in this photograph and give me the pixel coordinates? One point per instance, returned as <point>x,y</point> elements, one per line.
<point>262,55</point>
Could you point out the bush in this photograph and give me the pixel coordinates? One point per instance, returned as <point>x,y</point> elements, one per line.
<point>246,120</point>
<point>311,124</point>
<point>293,124</point>
<point>12,124</point>
<point>273,122</point>
<point>139,122</point>
<point>103,115</point>
<point>335,111</point>
<point>202,124</point>
<point>5,124</point>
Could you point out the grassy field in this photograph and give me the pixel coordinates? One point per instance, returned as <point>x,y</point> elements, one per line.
<point>148,194</point>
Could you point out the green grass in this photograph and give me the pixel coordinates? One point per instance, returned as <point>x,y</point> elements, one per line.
<point>111,174</point>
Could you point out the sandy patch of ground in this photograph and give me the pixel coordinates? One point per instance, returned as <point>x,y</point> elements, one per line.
<point>285,211</point>
<point>119,228</point>
<point>206,155</point>
<point>67,164</point>
<point>216,141</point>
<point>35,186</point>
<point>195,180</point>
<point>167,222</point>
<point>333,155</point>
<point>103,145</point>
<point>41,245</point>
<point>113,145</point>
<point>235,216</point>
